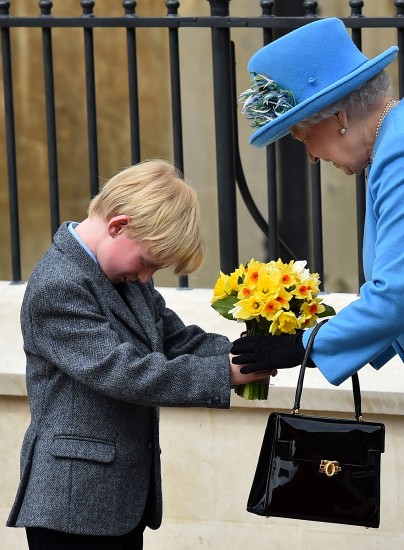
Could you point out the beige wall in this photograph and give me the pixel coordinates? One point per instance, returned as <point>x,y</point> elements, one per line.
<point>208,460</point>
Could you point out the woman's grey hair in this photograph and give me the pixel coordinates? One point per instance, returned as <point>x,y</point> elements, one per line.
<point>362,99</point>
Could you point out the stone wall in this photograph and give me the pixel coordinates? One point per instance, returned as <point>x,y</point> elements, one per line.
<point>209,456</point>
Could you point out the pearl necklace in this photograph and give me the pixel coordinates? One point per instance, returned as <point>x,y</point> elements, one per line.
<point>389,106</point>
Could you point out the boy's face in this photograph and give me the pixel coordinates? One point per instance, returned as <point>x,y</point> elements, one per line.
<point>123,259</point>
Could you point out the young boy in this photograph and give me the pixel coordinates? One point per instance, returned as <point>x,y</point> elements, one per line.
<point>103,353</point>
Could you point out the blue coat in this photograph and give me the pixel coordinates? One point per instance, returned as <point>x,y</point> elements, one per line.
<point>371,329</point>
<point>99,364</point>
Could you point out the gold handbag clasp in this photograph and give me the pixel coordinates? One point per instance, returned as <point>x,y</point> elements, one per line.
<point>329,467</point>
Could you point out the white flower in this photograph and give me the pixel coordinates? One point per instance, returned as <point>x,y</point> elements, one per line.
<point>303,273</point>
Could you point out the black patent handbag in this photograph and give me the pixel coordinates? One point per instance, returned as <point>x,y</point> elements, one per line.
<point>317,468</point>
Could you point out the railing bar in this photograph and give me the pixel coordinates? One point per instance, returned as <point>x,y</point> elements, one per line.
<point>400,44</point>
<point>51,129</point>
<point>11,156</point>
<point>360,222</point>
<point>272,195</point>
<point>225,163</point>
<point>133,96</point>
<point>360,190</point>
<point>206,22</point>
<point>273,232</point>
<point>176,112</point>
<point>317,222</point>
<point>176,98</point>
<point>91,110</point>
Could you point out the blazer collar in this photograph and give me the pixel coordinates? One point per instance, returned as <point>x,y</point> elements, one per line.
<point>128,302</point>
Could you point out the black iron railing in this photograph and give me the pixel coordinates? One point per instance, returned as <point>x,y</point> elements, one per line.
<point>229,165</point>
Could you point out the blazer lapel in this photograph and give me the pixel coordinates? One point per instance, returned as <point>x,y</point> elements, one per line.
<point>127,305</point>
<point>136,311</point>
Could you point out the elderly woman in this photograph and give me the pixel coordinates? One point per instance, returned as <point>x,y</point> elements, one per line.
<point>315,84</point>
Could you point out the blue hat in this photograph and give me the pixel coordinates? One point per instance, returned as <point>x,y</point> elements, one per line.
<point>306,70</point>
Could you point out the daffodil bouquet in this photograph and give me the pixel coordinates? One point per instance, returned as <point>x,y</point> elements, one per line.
<point>271,298</point>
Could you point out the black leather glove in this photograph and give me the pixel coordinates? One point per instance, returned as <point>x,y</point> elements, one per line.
<point>260,353</point>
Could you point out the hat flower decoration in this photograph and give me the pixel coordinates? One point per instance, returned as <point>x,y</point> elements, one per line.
<point>265,101</point>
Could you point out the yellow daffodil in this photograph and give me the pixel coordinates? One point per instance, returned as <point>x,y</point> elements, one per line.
<point>270,308</point>
<point>248,287</point>
<point>312,309</point>
<point>308,322</point>
<point>268,283</point>
<point>272,298</point>
<point>251,273</point>
<point>284,322</point>
<point>231,284</point>
<point>287,273</point>
<point>307,289</point>
<point>284,297</point>
<point>218,291</point>
<point>247,308</point>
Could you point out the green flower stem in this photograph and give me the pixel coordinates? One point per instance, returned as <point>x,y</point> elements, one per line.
<point>254,390</point>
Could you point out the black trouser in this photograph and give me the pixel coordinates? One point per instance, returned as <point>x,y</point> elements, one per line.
<point>48,539</point>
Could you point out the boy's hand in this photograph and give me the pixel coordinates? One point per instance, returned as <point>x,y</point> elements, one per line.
<point>237,377</point>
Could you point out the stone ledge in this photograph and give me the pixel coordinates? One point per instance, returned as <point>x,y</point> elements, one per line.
<point>12,362</point>
<point>379,389</point>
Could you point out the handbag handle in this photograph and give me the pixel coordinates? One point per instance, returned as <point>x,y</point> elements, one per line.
<point>355,379</point>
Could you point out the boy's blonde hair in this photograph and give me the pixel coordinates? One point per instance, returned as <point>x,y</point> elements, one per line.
<point>163,209</point>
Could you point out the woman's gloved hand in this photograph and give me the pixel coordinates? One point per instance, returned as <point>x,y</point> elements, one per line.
<point>265,353</point>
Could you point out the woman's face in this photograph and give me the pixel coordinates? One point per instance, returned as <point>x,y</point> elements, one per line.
<point>324,141</point>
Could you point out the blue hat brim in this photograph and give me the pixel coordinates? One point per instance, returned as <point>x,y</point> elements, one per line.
<point>281,126</point>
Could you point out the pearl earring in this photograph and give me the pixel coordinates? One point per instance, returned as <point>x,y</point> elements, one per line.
<point>342,130</point>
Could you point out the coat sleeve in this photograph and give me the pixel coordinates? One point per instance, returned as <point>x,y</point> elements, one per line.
<point>180,339</point>
<point>65,329</point>
<point>366,330</point>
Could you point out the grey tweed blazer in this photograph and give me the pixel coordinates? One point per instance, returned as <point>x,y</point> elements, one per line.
<point>101,359</point>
